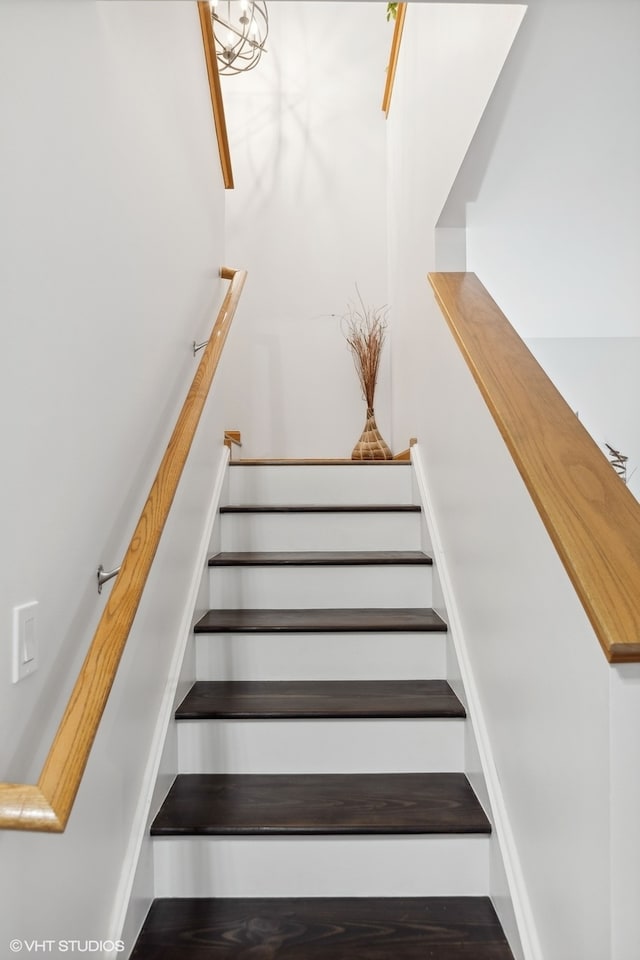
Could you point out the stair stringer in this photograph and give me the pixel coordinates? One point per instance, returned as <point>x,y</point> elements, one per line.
<point>136,891</point>
<point>512,902</point>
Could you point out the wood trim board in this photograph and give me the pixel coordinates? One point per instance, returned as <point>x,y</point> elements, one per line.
<point>393,57</point>
<point>217,105</point>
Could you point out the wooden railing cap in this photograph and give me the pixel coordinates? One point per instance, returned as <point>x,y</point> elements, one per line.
<point>590,515</point>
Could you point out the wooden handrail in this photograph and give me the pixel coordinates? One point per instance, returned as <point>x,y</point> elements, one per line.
<point>220,123</point>
<point>47,804</point>
<point>393,57</point>
<point>590,515</point>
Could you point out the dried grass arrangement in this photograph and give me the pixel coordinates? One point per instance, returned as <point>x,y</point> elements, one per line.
<point>365,329</point>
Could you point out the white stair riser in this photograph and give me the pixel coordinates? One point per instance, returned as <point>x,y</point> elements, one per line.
<point>339,656</point>
<point>383,866</point>
<point>301,587</point>
<point>357,483</point>
<point>321,746</point>
<point>320,531</point>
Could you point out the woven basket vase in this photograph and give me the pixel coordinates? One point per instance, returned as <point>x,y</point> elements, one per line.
<point>371,446</point>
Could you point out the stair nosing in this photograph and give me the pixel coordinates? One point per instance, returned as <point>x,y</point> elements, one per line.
<point>322,620</point>
<point>320,700</point>
<point>319,558</point>
<point>399,804</point>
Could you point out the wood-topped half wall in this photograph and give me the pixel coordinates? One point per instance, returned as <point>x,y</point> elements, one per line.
<point>46,806</point>
<point>590,515</point>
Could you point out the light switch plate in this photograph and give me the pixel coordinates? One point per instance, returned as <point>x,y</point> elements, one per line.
<point>25,640</point>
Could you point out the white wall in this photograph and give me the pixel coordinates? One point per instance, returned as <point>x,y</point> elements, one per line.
<point>552,221</point>
<point>451,57</point>
<point>537,682</point>
<point>550,201</point>
<point>599,378</point>
<point>308,218</point>
<point>625,828</point>
<point>111,237</point>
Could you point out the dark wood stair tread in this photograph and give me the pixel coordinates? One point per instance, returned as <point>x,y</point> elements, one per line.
<point>299,699</point>
<point>330,620</point>
<point>350,928</point>
<point>320,804</point>
<point>321,508</point>
<point>320,558</point>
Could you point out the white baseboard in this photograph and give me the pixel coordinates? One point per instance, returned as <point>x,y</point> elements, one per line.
<point>135,890</point>
<point>522,918</point>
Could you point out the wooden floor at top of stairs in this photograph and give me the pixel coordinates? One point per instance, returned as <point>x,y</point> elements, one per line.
<point>318,462</point>
<point>320,699</point>
<point>320,558</point>
<point>320,804</point>
<point>329,620</point>
<point>363,928</point>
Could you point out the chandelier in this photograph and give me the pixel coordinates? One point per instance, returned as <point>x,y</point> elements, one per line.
<point>240,28</point>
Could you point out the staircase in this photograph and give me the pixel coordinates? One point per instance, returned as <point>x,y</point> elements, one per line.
<point>320,811</point>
